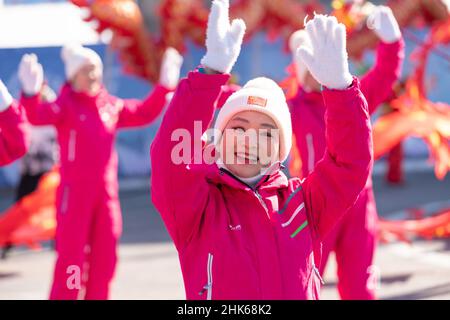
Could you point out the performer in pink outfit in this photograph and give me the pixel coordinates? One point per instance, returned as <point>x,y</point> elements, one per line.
<point>241,228</point>
<point>87,119</point>
<point>354,238</point>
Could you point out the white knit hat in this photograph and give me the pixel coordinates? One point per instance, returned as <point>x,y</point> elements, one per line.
<point>261,95</point>
<point>298,38</point>
<point>75,57</point>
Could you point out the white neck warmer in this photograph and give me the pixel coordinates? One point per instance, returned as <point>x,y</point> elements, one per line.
<point>252,181</point>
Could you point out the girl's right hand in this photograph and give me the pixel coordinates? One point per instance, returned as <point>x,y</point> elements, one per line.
<point>31,74</point>
<point>223,40</point>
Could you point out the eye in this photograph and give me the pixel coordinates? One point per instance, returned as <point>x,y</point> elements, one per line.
<point>239,129</point>
<point>265,133</point>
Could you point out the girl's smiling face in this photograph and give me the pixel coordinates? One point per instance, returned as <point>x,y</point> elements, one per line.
<point>250,144</point>
<point>88,79</point>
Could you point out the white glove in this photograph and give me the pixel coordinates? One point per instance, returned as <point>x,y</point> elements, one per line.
<point>5,98</point>
<point>223,41</point>
<point>31,74</point>
<point>170,68</point>
<point>384,24</point>
<point>326,58</point>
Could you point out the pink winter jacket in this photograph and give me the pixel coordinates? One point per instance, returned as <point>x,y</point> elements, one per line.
<point>87,126</point>
<point>308,108</point>
<point>13,140</point>
<point>238,242</point>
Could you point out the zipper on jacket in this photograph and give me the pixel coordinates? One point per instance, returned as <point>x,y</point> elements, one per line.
<point>65,200</point>
<point>255,190</point>
<point>72,145</point>
<point>318,274</point>
<point>261,200</point>
<point>208,286</point>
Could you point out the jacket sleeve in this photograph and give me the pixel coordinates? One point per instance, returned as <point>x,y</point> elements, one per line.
<point>179,192</point>
<point>136,113</point>
<point>13,134</point>
<point>42,113</point>
<point>338,178</point>
<point>377,84</point>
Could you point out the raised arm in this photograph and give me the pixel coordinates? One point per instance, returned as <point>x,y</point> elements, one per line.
<point>138,113</point>
<point>179,191</point>
<point>38,112</point>
<point>376,85</point>
<point>13,142</point>
<point>336,181</point>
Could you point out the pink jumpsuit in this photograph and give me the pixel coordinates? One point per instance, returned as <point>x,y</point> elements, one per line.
<point>13,143</point>
<point>354,238</point>
<point>89,219</point>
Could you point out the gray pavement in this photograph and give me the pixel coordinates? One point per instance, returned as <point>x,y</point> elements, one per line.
<point>149,268</point>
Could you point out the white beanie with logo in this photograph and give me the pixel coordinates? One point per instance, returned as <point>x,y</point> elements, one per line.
<point>76,57</point>
<point>261,95</point>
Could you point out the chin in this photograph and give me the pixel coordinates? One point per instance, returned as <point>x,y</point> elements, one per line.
<point>245,170</point>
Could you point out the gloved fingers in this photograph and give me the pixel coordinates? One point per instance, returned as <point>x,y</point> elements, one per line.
<point>373,21</point>
<point>172,57</point>
<point>332,23</point>
<point>34,69</point>
<point>340,42</point>
<point>320,22</point>
<point>384,10</point>
<point>32,58</point>
<point>237,30</point>
<point>40,72</point>
<point>27,63</point>
<point>379,16</point>
<point>218,20</point>
<point>29,59</point>
<point>310,28</point>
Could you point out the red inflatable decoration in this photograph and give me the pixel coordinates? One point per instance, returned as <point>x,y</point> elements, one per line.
<point>141,50</point>
<point>33,218</point>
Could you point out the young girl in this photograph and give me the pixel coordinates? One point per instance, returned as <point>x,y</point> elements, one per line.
<point>241,228</point>
<point>13,142</point>
<point>87,118</point>
<point>354,238</point>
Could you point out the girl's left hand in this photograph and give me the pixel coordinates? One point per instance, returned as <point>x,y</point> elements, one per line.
<point>326,58</point>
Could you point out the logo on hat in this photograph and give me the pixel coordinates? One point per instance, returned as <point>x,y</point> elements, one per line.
<point>258,101</point>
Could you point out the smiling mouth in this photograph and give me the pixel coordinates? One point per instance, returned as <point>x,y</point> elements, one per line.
<point>246,158</point>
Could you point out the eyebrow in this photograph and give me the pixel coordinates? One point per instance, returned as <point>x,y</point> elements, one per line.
<point>241,119</point>
<point>268,125</point>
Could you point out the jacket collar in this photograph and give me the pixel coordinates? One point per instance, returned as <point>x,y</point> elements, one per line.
<point>277,179</point>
